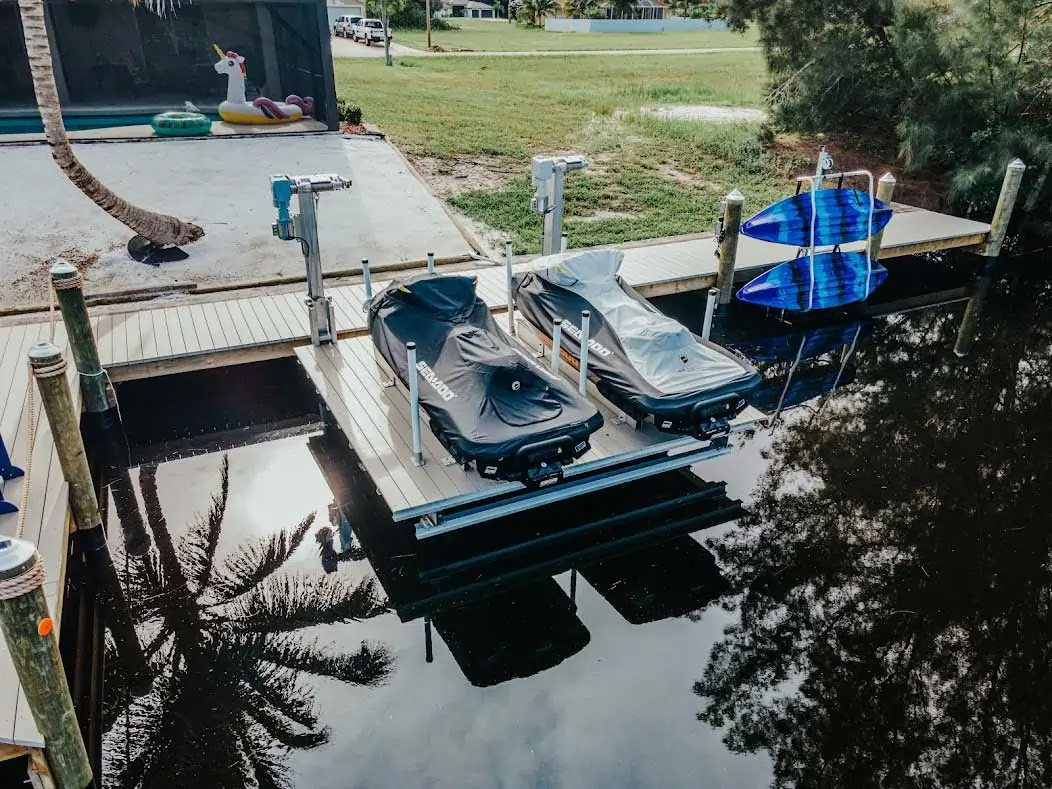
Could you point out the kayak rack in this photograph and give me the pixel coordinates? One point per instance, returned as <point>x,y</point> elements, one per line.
<point>440,496</point>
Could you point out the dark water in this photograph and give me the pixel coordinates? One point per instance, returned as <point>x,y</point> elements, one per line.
<point>878,615</point>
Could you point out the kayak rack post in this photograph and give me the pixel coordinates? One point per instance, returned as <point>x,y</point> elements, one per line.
<point>367,280</point>
<point>557,342</point>
<point>1005,204</point>
<point>430,262</point>
<point>727,241</point>
<point>509,258</point>
<point>710,310</point>
<point>429,651</point>
<point>582,382</point>
<point>414,404</point>
<point>885,191</point>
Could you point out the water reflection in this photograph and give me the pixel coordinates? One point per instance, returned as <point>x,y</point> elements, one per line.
<point>893,575</point>
<point>225,636</point>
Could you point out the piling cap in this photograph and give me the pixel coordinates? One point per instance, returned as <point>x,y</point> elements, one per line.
<point>16,556</point>
<point>1017,164</point>
<point>63,269</point>
<point>886,178</point>
<point>736,196</point>
<point>44,354</point>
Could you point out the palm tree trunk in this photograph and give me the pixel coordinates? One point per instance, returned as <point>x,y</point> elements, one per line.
<point>158,228</point>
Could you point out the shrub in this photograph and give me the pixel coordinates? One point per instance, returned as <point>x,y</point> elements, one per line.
<point>348,113</point>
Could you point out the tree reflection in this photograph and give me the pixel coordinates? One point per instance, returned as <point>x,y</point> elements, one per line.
<point>894,575</point>
<point>231,697</point>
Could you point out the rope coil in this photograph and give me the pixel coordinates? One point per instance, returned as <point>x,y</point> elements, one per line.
<point>68,283</point>
<point>31,579</point>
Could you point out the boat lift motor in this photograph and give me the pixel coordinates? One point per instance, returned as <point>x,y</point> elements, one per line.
<point>303,227</point>
<point>549,173</point>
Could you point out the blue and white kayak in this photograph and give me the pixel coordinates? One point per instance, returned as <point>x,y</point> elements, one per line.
<point>842,216</point>
<point>840,278</point>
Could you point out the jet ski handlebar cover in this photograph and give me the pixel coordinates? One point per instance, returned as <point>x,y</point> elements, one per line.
<point>487,402</point>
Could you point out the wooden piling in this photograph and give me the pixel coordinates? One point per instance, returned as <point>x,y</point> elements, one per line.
<point>728,241</point>
<point>33,643</point>
<point>966,333</point>
<point>885,192</point>
<point>1005,203</point>
<point>49,370</point>
<point>69,290</point>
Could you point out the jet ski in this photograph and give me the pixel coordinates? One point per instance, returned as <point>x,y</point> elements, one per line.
<point>645,363</point>
<point>488,403</point>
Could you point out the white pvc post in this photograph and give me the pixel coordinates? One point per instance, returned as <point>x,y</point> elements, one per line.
<point>430,262</point>
<point>710,310</point>
<point>509,264</point>
<point>414,404</point>
<point>367,279</point>
<point>564,242</point>
<point>557,344</point>
<point>582,382</point>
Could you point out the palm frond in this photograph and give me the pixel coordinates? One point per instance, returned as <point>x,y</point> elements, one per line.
<point>370,666</point>
<point>265,764</point>
<point>289,602</point>
<point>251,564</point>
<point>280,688</point>
<point>283,731</point>
<point>160,7</point>
<point>197,549</point>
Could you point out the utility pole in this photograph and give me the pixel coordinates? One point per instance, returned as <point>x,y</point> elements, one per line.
<point>427,10</point>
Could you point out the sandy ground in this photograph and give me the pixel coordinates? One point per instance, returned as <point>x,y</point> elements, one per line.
<point>710,114</point>
<point>223,185</point>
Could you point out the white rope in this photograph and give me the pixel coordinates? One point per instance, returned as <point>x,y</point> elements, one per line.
<point>30,580</point>
<point>31,439</point>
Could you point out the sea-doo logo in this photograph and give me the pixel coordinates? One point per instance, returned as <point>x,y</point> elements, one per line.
<point>575,332</point>
<point>436,383</point>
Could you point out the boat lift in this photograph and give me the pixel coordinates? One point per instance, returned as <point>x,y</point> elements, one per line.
<point>303,227</point>
<point>549,176</point>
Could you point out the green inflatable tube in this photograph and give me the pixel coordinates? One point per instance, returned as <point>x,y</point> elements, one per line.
<point>181,124</point>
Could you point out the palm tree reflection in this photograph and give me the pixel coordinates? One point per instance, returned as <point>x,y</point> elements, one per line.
<point>232,695</point>
<point>894,577</point>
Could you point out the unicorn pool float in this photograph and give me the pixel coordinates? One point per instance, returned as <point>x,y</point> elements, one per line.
<point>238,109</point>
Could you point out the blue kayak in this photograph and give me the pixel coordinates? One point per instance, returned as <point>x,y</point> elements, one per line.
<point>840,278</point>
<point>842,217</point>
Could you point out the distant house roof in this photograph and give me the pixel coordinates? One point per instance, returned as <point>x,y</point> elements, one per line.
<point>473,5</point>
<point>639,4</point>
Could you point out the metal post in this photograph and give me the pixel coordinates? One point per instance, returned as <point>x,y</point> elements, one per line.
<point>49,370</point>
<point>367,280</point>
<point>31,639</point>
<point>429,651</point>
<point>509,261</point>
<point>553,221</point>
<point>573,589</point>
<point>1005,204</point>
<point>710,310</point>
<point>557,344</point>
<point>582,381</point>
<point>430,262</point>
<point>68,285</point>
<point>728,249</point>
<point>564,242</point>
<point>885,191</point>
<point>319,307</point>
<point>414,404</point>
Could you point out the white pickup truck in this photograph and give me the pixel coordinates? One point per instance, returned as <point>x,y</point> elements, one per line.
<point>343,24</point>
<point>369,31</point>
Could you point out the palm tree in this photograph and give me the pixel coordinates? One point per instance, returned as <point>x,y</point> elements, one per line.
<point>578,8</point>
<point>229,700</point>
<point>157,228</point>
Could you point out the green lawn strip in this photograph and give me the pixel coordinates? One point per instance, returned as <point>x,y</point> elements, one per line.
<point>649,177</point>
<point>499,36</point>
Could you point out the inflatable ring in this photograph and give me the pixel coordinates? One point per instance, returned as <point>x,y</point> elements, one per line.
<point>181,124</point>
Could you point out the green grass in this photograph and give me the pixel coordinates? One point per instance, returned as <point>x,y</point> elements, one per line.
<point>649,177</point>
<point>478,35</point>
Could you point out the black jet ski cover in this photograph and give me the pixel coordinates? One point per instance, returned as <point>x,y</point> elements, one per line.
<point>487,402</point>
<point>643,361</point>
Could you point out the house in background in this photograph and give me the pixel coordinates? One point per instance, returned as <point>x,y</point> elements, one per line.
<point>117,64</point>
<point>641,9</point>
<point>467,9</point>
<point>337,8</point>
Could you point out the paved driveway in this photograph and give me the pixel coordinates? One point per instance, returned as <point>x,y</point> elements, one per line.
<point>345,48</point>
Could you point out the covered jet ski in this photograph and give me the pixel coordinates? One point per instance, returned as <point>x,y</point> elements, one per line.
<point>644,362</point>
<point>487,402</point>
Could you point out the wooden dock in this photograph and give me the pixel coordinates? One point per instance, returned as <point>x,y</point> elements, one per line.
<point>145,340</point>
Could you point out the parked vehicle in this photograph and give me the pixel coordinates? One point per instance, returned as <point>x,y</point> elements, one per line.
<point>370,31</point>
<point>343,24</point>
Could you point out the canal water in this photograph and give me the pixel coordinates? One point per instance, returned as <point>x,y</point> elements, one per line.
<point>876,614</point>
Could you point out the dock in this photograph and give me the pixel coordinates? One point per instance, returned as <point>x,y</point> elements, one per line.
<point>154,339</point>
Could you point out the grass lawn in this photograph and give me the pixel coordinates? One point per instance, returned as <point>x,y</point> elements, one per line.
<point>648,178</point>
<point>498,36</point>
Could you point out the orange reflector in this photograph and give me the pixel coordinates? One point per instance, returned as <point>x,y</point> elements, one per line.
<point>44,626</point>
